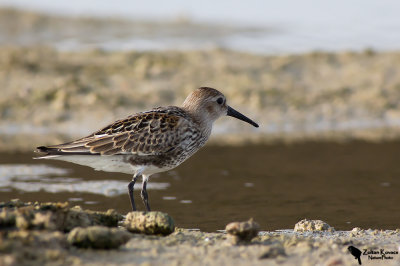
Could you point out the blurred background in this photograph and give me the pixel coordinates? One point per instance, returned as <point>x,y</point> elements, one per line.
<point>321,78</point>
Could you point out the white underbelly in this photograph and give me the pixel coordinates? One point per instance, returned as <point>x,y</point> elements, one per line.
<point>115,163</point>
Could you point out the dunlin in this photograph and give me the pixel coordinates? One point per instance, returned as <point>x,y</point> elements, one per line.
<point>149,142</point>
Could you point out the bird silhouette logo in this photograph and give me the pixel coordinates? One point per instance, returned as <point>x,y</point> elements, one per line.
<point>355,252</point>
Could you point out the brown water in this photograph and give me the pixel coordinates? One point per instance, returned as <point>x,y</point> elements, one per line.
<point>346,185</point>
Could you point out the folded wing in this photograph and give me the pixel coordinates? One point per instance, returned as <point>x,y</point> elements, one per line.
<point>150,133</point>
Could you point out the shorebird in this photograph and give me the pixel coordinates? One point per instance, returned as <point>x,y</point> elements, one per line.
<point>149,142</point>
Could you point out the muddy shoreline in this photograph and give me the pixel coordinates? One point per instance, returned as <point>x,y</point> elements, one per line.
<point>50,94</point>
<point>58,229</point>
<point>53,96</point>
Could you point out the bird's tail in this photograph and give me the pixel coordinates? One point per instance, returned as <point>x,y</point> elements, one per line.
<point>44,149</point>
<point>71,148</point>
<point>46,152</point>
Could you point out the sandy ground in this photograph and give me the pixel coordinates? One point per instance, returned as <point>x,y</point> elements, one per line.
<point>270,248</point>
<point>55,234</point>
<point>55,96</point>
<point>50,94</point>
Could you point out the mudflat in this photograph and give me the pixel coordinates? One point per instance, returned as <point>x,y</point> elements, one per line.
<point>80,237</point>
<point>345,104</point>
<point>54,95</point>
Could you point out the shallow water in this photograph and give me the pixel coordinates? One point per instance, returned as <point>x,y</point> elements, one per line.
<point>346,185</point>
<point>283,26</point>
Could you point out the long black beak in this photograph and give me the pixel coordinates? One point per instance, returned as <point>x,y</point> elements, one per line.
<point>232,112</point>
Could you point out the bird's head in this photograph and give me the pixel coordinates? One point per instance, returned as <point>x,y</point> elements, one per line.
<point>209,104</point>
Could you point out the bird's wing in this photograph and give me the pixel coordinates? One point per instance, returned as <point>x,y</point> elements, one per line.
<point>149,133</point>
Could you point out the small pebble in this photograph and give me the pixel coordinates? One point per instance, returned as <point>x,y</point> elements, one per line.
<point>312,225</point>
<point>98,237</point>
<point>150,223</point>
<point>242,232</point>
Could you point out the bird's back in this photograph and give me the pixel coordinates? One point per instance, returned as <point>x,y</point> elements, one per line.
<point>164,135</point>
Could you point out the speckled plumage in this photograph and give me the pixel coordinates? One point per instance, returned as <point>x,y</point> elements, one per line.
<point>164,136</point>
<point>149,142</point>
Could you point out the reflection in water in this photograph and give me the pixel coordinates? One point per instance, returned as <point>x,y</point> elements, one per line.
<point>168,198</point>
<point>35,178</point>
<point>346,185</point>
<point>248,184</point>
<point>75,199</point>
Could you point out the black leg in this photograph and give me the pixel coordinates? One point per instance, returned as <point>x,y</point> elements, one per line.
<point>130,192</point>
<point>144,195</point>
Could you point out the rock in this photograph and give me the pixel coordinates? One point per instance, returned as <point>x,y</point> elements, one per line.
<point>12,203</point>
<point>98,237</point>
<point>17,239</point>
<point>272,252</point>
<point>7,218</point>
<point>24,217</point>
<point>50,206</point>
<point>76,217</point>
<point>47,220</point>
<point>109,218</point>
<point>150,223</point>
<point>242,232</point>
<point>54,216</point>
<point>312,225</point>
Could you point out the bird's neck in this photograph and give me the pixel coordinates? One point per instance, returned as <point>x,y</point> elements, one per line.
<point>202,119</point>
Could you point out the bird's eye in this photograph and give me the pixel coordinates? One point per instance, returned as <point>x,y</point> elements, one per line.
<point>220,100</point>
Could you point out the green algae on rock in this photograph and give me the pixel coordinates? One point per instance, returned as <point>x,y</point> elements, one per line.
<point>150,223</point>
<point>98,237</point>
